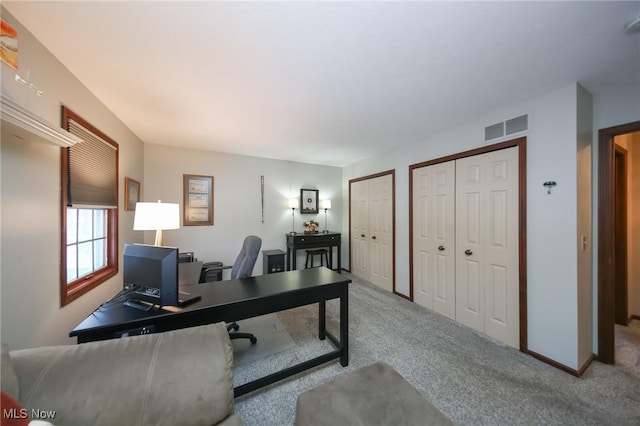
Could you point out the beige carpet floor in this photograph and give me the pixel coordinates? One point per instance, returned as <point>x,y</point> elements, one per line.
<point>627,353</point>
<point>472,380</point>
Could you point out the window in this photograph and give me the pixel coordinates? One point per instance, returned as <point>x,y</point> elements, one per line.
<point>86,241</point>
<point>89,209</point>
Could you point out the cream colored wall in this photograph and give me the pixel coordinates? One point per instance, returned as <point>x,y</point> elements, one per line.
<point>238,200</point>
<point>30,311</point>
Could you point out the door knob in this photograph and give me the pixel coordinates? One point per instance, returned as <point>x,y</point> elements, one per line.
<point>441,248</point>
<point>468,252</point>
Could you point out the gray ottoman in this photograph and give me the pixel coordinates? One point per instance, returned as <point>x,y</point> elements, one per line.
<point>372,395</point>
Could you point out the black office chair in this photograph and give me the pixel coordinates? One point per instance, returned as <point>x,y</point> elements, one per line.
<point>242,268</point>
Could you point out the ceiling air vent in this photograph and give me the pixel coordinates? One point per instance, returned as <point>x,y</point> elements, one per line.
<point>518,124</point>
<point>494,131</point>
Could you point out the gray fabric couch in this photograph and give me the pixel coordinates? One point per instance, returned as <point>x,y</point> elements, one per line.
<point>179,377</point>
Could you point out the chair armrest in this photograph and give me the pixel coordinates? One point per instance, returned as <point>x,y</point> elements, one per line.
<point>212,271</point>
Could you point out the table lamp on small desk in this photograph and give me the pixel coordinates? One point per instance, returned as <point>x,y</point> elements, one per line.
<point>156,216</point>
<point>293,203</point>
<point>325,204</point>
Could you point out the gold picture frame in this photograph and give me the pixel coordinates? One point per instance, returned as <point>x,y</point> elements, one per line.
<point>131,193</point>
<point>197,200</point>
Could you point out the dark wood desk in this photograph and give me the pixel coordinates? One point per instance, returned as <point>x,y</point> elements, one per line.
<point>234,300</point>
<point>297,242</point>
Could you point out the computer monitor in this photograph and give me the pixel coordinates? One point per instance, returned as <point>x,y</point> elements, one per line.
<point>151,275</point>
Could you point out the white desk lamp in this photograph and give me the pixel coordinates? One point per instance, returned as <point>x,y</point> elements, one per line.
<point>325,204</point>
<point>156,216</point>
<point>293,203</point>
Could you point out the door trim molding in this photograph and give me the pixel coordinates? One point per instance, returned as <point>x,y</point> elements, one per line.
<point>621,300</point>
<point>606,342</point>
<point>521,143</point>
<point>391,172</point>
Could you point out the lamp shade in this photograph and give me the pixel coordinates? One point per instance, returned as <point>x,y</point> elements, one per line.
<point>154,216</point>
<point>293,203</point>
<point>325,204</point>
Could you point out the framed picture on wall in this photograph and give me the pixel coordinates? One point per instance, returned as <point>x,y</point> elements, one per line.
<point>197,200</point>
<point>131,193</point>
<point>308,201</point>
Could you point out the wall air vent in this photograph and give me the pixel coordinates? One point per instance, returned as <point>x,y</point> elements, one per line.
<point>506,128</point>
<point>23,124</point>
<point>494,131</point>
<point>518,124</point>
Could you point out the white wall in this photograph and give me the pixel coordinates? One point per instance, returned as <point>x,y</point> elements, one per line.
<point>30,310</point>
<point>551,219</point>
<point>237,199</point>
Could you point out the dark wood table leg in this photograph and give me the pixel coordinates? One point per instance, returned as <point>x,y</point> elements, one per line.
<point>344,327</point>
<point>322,324</point>
<point>294,251</point>
<point>288,258</point>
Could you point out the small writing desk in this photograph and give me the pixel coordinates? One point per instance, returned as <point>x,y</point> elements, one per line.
<point>234,300</point>
<point>297,242</point>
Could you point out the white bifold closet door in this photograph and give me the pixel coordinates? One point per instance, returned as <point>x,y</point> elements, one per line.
<point>372,230</point>
<point>465,258</point>
<point>487,284</point>
<point>434,274</point>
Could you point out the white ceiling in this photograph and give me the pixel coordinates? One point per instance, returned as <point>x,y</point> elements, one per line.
<point>327,82</point>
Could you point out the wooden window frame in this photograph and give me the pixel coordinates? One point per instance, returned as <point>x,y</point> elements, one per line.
<point>72,290</point>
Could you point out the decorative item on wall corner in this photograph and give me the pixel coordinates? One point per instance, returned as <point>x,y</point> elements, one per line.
<point>197,200</point>
<point>132,193</point>
<point>9,48</point>
<point>309,201</point>
<point>549,184</point>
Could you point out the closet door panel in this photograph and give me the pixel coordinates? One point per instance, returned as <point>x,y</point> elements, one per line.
<point>381,231</point>
<point>360,229</point>
<point>470,204</point>
<point>502,321</point>
<point>422,235</point>
<point>434,237</point>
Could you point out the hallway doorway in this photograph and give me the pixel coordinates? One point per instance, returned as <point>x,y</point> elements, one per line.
<point>618,234</point>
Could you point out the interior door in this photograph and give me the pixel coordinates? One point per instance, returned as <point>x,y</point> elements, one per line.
<point>487,286</point>
<point>381,232</point>
<point>434,237</point>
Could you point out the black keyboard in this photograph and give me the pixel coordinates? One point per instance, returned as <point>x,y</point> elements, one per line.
<point>186,298</point>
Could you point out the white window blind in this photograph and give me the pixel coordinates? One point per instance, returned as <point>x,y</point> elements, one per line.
<point>92,170</point>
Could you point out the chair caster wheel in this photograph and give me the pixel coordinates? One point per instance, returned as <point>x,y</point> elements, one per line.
<point>235,327</point>
<point>253,340</point>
